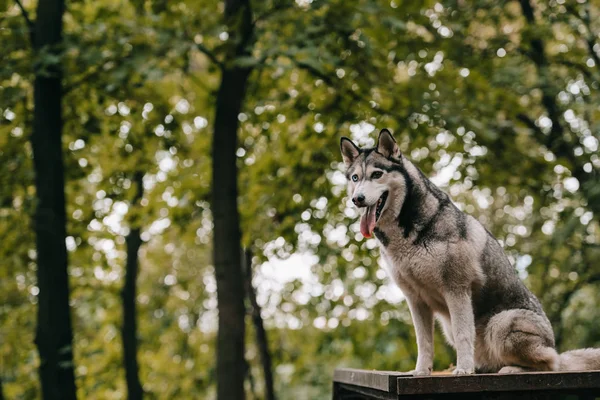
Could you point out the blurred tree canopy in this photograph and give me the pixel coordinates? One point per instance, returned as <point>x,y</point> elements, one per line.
<point>496,100</point>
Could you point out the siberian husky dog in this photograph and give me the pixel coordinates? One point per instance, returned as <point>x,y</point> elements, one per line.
<point>450,268</point>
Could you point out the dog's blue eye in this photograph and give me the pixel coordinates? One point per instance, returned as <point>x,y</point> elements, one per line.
<point>376,175</point>
<point>354,178</point>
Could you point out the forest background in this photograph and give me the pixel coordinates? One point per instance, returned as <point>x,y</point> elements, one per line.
<point>117,115</point>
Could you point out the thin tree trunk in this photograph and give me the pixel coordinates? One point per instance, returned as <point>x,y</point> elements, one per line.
<point>227,248</point>
<point>227,238</point>
<point>54,334</point>
<point>251,381</point>
<point>1,390</point>
<point>261,333</point>
<point>128,294</point>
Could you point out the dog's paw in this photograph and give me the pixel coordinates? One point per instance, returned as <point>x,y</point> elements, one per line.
<point>419,372</point>
<point>463,371</point>
<point>510,370</point>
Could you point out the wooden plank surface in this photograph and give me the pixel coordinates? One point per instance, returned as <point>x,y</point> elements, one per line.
<point>403,384</point>
<point>527,381</point>
<point>378,380</point>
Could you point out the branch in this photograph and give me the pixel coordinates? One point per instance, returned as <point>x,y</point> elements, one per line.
<point>555,139</point>
<point>313,71</point>
<point>558,147</point>
<point>329,81</point>
<point>28,22</point>
<point>210,55</point>
<point>590,39</point>
<point>85,76</point>
<point>201,84</point>
<point>274,10</point>
<point>586,21</point>
<point>581,68</point>
<point>93,72</point>
<point>25,14</point>
<point>530,123</point>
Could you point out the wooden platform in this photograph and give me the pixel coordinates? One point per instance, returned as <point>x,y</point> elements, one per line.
<point>362,384</point>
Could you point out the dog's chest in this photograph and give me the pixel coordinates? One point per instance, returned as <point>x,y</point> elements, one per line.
<point>416,271</point>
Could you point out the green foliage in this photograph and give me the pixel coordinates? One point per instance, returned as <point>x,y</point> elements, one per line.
<point>455,80</point>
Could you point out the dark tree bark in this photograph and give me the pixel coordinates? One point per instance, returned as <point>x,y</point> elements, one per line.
<point>227,238</point>
<point>54,333</point>
<point>261,333</point>
<point>230,287</point>
<point>128,295</point>
<point>1,390</point>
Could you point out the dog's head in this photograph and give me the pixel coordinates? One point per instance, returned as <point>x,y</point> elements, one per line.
<point>376,178</point>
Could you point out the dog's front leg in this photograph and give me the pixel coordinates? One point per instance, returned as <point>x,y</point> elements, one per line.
<point>422,317</point>
<point>463,329</point>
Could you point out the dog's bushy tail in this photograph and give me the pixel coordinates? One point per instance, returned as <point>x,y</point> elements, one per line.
<point>579,360</point>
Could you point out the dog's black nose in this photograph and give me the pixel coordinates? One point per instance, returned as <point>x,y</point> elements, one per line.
<point>358,200</point>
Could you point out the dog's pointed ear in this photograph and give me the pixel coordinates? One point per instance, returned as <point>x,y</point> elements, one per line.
<point>386,145</point>
<point>349,150</point>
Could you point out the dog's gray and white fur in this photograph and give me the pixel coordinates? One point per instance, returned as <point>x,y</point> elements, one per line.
<point>450,268</point>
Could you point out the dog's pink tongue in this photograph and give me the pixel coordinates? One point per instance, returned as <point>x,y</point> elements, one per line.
<point>367,222</point>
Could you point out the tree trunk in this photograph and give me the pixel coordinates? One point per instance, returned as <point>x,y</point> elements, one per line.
<point>261,333</point>
<point>227,247</point>
<point>227,238</point>
<point>54,335</point>
<point>1,390</point>
<point>128,294</point>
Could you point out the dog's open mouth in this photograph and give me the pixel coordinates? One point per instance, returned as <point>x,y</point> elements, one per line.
<point>371,216</point>
<point>380,204</point>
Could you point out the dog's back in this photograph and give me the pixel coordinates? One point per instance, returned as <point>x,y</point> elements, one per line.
<point>502,290</point>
